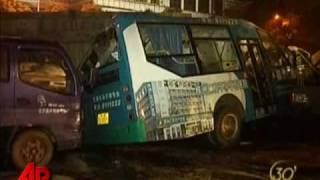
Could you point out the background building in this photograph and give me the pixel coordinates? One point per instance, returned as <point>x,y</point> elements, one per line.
<point>193,7</point>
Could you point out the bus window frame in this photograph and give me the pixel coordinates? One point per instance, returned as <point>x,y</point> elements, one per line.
<point>187,26</point>
<point>97,72</point>
<point>266,65</point>
<point>193,54</point>
<point>231,38</point>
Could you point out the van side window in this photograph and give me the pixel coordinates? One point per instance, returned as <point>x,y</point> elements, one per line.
<point>169,47</point>
<point>44,69</point>
<point>4,64</point>
<point>215,49</point>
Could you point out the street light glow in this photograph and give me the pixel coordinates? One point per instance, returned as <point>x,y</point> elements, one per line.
<point>285,22</point>
<point>276,16</point>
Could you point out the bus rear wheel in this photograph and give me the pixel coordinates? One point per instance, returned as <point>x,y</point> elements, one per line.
<point>227,128</point>
<point>32,146</point>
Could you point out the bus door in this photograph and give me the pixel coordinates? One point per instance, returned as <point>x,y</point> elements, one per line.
<point>256,75</point>
<point>6,88</point>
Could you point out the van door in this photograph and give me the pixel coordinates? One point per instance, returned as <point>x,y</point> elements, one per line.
<point>257,77</point>
<point>6,88</point>
<point>45,92</point>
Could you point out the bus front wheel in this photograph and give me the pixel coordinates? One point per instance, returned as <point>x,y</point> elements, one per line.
<point>227,128</point>
<point>32,146</point>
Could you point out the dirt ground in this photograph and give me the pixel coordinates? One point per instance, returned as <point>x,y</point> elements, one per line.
<point>193,159</point>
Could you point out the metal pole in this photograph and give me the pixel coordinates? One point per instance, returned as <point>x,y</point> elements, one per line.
<point>223,7</point>
<point>38,6</point>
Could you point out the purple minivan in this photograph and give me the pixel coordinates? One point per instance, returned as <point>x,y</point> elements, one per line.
<point>39,101</point>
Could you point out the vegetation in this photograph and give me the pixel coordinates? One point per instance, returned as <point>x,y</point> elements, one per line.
<point>18,6</point>
<point>14,6</point>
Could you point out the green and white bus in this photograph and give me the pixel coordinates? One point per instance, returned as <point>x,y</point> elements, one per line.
<point>155,78</point>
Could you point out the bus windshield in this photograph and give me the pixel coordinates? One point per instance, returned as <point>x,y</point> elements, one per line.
<point>103,51</point>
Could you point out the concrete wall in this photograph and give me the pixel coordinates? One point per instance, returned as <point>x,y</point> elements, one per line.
<point>72,30</point>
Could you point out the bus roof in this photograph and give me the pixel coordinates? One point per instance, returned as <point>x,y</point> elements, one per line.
<point>126,19</point>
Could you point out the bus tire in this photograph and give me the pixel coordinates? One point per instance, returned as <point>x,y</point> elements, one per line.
<point>227,128</point>
<point>31,146</point>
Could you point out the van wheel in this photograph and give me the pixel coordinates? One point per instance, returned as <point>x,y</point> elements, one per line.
<point>32,146</point>
<point>227,128</point>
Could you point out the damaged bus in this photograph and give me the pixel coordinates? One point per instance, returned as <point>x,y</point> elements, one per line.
<point>156,78</point>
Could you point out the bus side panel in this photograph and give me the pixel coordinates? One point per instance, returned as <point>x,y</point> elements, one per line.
<point>108,120</point>
<point>110,111</point>
<point>173,107</point>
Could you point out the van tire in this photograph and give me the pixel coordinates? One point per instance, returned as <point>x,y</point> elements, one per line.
<point>227,128</point>
<point>31,146</point>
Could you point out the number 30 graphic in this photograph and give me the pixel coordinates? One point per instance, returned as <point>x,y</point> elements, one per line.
<point>282,170</point>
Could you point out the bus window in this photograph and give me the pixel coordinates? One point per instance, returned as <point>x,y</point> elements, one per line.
<point>274,52</point>
<point>104,51</point>
<point>169,47</point>
<point>250,73</point>
<point>105,48</point>
<point>208,56</point>
<point>215,50</point>
<point>228,55</point>
<point>4,65</point>
<point>45,70</point>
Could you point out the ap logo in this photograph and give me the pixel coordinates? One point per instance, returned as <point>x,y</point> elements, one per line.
<point>31,172</point>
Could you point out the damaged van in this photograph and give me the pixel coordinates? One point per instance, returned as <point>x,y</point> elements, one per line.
<point>39,101</point>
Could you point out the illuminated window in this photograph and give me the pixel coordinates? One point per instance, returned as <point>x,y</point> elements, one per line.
<point>190,5</point>
<point>204,6</point>
<point>176,4</point>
